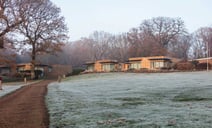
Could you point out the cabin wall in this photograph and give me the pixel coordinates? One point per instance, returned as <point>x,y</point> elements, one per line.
<point>98,67</point>
<point>145,63</point>
<point>205,61</point>
<point>124,67</point>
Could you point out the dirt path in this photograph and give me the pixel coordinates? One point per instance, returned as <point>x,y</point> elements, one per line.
<point>25,108</point>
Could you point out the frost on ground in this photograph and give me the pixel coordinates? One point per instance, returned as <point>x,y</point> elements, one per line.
<point>130,100</point>
<point>8,89</point>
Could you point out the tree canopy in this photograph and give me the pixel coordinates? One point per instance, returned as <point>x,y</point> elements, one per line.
<point>43,29</point>
<point>10,17</point>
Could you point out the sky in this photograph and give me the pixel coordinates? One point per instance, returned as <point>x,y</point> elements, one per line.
<point>83,17</point>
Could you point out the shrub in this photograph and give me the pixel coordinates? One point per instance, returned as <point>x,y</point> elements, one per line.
<point>11,79</point>
<point>195,63</point>
<point>184,66</point>
<point>77,71</point>
<point>202,66</point>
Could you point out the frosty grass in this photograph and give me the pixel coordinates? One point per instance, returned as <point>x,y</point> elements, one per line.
<point>130,100</point>
<point>11,87</point>
<point>8,89</point>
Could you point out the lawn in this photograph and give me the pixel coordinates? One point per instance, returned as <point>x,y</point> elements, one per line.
<point>132,100</point>
<point>9,87</point>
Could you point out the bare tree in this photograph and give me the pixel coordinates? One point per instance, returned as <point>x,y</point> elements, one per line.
<point>101,42</point>
<point>197,47</point>
<point>154,35</point>
<point>119,48</point>
<point>141,44</point>
<point>7,54</point>
<point>201,38</point>
<point>100,45</point>
<point>180,47</point>
<point>162,30</point>
<point>205,34</point>
<point>10,17</point>
<point>135,38</point>
<point>43,28</point>
<point>80,51</point>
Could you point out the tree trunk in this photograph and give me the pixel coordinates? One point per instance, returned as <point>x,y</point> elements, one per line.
<point>1,42</point>
<point>33,69</point>
<point>33,62</point>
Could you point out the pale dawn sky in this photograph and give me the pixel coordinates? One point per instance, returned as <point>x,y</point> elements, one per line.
<point>117,16</point>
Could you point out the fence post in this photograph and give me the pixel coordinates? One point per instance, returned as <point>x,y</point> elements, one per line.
<point>1,83</point>
<point>59,79</point>
<point>25,80</point>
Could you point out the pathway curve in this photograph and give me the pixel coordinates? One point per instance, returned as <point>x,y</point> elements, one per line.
<point>25,108</point>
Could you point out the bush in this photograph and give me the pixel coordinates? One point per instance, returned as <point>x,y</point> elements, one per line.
<point>77,71</point>
<point>131,70</point>
<point>184,66</point>
<point>11,79</point>
<point>195,63</point>
<point>17,75</point>
<point>202,66</point>
<point>165,68</point>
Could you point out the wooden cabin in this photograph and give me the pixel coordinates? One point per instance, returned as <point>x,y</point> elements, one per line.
<point>41,70</point>
<point>102,66</point>
<point>149,63</point>
<point>124,66</point>
<point>205,60</point>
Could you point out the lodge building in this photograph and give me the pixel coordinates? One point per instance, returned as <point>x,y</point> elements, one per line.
<point>137,63</point>
<point>102,66</point>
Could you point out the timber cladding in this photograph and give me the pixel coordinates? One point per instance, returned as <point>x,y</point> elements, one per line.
<point>150,63</point>
<point>102,66</point>
<point>136,63</point>
<point>205,60</point>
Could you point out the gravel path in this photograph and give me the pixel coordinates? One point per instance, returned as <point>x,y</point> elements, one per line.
<point>25,108</point>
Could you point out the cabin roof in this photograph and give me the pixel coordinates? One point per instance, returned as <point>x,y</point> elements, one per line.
<point>150,58</point>
<point>204,58</point>
<point>101,61</point>
<point>89,63</point>
<point>136,59</point>
<point>159,58</point>
<point>38,64</point>
<point>107,61</point>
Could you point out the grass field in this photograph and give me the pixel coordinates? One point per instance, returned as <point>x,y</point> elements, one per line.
<point>130,100</point>
<point>8,89</point>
